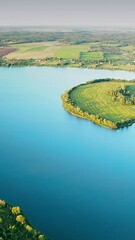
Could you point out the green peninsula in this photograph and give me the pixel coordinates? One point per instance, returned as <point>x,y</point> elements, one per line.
<point>106,102</point>
<point>15,226</point>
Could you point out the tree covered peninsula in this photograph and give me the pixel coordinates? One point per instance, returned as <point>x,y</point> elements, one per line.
<point>15,226</point>
<point>106,102</point>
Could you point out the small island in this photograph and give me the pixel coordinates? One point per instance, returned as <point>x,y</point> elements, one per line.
<point>106,102</point>
<point>15,226</point>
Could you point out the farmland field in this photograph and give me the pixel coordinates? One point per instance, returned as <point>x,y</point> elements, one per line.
<point>71,52</point>
<point>28,51</point>
<point>6,50</point>
<point>40,51</point>
<point>95,98</point>
<point>92,56</point>
<point>76,48</point>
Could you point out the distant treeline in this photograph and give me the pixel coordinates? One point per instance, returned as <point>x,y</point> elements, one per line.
<point>75,36</point>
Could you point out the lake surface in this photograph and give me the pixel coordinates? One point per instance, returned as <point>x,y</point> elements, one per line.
<point>73,179</point>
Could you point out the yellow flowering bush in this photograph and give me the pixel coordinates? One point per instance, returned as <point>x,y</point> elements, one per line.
<point>20,219</point>
<point>16,210</point>
<point>29,228</point>
<point>2,203</point>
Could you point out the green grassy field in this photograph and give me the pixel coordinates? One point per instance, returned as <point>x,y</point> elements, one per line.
<point>30,51</point>
<point>91,56</point>
<point>71,52</point>
<point>47,50</point>
<point>95,98</point>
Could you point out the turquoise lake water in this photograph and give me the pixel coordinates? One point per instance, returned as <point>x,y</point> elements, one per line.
<point>73,179</point>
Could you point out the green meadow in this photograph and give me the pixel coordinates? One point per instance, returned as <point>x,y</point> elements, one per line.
<point>110,103</point>
<point>92,56</point>
<point>71,52</point>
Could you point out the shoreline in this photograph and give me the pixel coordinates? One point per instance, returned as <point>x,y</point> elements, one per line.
<point>37,63</point>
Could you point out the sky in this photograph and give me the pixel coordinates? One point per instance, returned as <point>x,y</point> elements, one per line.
<point>67,12</point>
